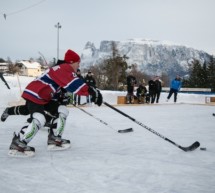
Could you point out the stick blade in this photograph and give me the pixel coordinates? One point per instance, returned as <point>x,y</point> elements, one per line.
<point>125,130</point>
<point>192,147</point>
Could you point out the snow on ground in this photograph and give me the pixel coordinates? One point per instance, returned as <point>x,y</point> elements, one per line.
<point>102,160</point>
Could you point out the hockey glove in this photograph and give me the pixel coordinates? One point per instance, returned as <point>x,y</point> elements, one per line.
<point>64,99</point>
<point>96,96</point>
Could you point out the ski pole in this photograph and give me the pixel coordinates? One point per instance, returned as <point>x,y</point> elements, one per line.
<point>192,147</point>
<point>103,122</point>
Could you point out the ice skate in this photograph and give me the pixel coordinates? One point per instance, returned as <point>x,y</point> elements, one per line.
<point>19,148</point>
<point>56,143</point>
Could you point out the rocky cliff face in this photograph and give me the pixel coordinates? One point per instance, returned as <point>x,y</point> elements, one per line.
<point>151,56</point>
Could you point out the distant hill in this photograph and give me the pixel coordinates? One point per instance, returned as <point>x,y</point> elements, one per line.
<point>151,56</point>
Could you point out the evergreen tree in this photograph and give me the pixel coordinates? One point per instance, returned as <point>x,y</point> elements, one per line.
<point>197,74</point>
<point>211,74</point>
<point>204,77</point>
<point>201,76</point>
<point>2,60</point>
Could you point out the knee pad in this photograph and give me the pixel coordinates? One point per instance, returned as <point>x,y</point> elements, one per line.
<point>39,119</point>
<point>63,111</point>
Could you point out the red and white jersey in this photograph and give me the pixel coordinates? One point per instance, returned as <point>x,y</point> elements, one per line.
<point>43,88</point>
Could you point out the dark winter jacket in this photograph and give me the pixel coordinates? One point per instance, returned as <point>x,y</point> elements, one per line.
<point>158,86</point>
<point>131,81</point>
<point>80,76</point>
<point>90,81</point>
<point>141,91</point>
<point>152,86</point>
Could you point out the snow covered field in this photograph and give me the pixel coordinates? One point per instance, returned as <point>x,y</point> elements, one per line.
<point>102,160</point>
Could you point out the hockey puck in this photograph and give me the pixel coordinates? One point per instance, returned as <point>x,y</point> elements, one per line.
<point>203,148</point>
<point>125,130</point>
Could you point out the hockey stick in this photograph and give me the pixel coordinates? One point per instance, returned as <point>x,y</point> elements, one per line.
<point>101,121</point>
<point>44,59</point>
<point>3,79</point>
<point>192,147</point>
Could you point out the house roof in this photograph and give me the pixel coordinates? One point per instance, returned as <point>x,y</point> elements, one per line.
<point>3,63</point>
<point>28,64</point>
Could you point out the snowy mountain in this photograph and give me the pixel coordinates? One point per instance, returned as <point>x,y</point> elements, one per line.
<point>151,56</point>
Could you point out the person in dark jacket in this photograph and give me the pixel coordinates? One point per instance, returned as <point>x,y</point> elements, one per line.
<point>78,97</point>
<point>141,93</point>
<point>131,82</point>
<point>158,88</point>
<point>175,87</point>
<point>90,81</point>
<point>152,90</point>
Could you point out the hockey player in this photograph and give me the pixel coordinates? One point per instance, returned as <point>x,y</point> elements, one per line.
<point>39,94</point>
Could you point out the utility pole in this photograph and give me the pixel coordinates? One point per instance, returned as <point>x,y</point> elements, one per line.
<point>58,26</point>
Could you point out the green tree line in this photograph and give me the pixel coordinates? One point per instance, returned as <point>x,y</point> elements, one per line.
<point>201,76</point>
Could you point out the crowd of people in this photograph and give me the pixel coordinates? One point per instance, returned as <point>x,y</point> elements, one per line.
<point>142,92</point>
<point>150,93</point>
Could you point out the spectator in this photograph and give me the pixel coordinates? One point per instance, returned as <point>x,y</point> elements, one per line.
<point>131,82</point>
<point>152,90</point>
<point>90,81</point>
<point>174,88</point>
<point>76,96</point>
<point>141,93</point>
<point>158,88</point>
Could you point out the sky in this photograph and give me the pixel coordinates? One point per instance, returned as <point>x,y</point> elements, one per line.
<point>101,160</point>
<point>29,26</point>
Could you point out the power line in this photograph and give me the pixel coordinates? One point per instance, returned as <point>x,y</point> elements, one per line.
<point>5,15</point>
